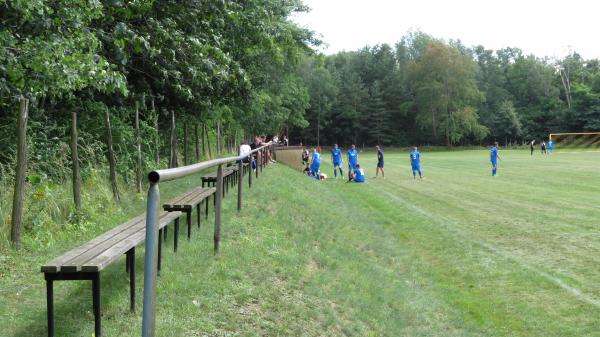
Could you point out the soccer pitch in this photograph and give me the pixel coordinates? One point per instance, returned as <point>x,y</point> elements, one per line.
<point>458,254</point>
<point>464,253</point>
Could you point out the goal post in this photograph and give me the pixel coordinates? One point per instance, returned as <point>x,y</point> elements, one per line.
<point>575,140</point>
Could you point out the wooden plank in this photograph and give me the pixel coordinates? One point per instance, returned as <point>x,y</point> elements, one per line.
<point>213,176</point>
<point>178,198</point>
<point>196,199</point>
<point>54,265</point>
<point>192,197</point>
<point>74,265</point>
<point>111,254</point>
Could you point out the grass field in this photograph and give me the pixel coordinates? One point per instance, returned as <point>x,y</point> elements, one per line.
<point>457,254</point>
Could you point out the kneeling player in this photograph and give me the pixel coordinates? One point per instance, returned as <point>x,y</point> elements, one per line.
<point>315,165</point>
<point>357,174</point>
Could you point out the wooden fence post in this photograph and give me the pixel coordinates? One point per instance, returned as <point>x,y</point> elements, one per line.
<point>138,140</point>
<point>75,165</point>
<point>111,157</point>
<point>20,174</point>
<point>218,200</point>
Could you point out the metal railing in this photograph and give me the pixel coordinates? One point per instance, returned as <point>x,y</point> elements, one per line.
<point>152,213</point>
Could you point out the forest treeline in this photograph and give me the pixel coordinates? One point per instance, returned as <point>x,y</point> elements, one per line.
<point>430,91</point>
<point>101,91</point>
<point>131,85</point>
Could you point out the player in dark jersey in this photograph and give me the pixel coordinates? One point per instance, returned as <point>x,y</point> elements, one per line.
<point>379,163</point>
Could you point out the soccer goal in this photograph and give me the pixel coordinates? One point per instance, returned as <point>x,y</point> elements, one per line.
<point>576,140</point>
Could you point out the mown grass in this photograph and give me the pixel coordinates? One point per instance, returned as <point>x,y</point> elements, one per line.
<point>457,254</point>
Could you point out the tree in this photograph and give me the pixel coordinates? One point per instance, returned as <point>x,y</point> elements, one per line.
<point>446,90</point>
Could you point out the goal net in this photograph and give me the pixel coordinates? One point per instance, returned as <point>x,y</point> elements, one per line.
<point>576,140</point>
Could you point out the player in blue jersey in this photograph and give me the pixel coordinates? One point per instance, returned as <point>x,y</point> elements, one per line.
<point>315,165</point>
<point>379,163</point>
<point>352,159</point>
<point>550,146</point>
<point>494,157</point>
<point>336,159</point>
<point>415,163</point>
<point>357,174</point>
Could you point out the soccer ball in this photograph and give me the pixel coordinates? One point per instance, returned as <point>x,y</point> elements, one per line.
<point>323,176</point>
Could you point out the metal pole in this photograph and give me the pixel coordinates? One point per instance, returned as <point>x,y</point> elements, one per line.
<point>240,177</point>
<point>218,199</point>
<point>150,266</point>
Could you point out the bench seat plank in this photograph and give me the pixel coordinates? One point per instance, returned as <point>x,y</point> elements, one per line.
<point>190,199</point>
<point>73,260</point>
<point>213,176</point>
<point>194,199</point>
<point>109,255</point>
<point>54,265</point>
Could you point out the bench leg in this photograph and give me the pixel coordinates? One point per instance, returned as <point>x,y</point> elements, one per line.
<point>176,235</point>
<point>159,250</point>
<point>50,305</point>
<point>206,204</point>
<point>189,223</point>
<point>198,214</point>
<point>96,304</point>
<point>131,258</point>
<point>166,229</point>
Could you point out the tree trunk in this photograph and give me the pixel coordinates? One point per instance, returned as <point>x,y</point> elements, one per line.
<point>173,156</point>
<point>235,141</point>
<point>138,136</point>
<point>20,174</point>
<point>208,142</point>
<point>203,136</point>
<point>564,76</point>
<point>75,159</point>
<point>185,143</point>
<point>219,137</point>
<point>111,157</point>
<point>197,142</point>
<point>157,138</point>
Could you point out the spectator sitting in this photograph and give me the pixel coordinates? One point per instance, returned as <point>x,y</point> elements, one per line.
<point>244,151</point>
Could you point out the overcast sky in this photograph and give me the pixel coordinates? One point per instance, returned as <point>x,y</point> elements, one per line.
<point>544,28</point>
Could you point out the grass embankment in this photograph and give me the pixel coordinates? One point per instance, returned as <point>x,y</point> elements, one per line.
<point>457,254</point>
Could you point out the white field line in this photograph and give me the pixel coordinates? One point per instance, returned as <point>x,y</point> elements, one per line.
<point>448,225</point>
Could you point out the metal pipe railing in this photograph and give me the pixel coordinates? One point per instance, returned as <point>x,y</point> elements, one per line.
<point>152,212</point>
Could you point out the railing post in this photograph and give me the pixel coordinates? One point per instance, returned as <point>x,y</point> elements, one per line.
<point>262,156</point>
<point>240,178</point>
<point>218,200</point>
<point>150,265</point>
<point>250,173</point>
<point>258,160</point>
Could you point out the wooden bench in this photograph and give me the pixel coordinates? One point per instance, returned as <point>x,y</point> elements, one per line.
<point>211,179</point>
<point>186,203</point>
<point>87,261</point>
